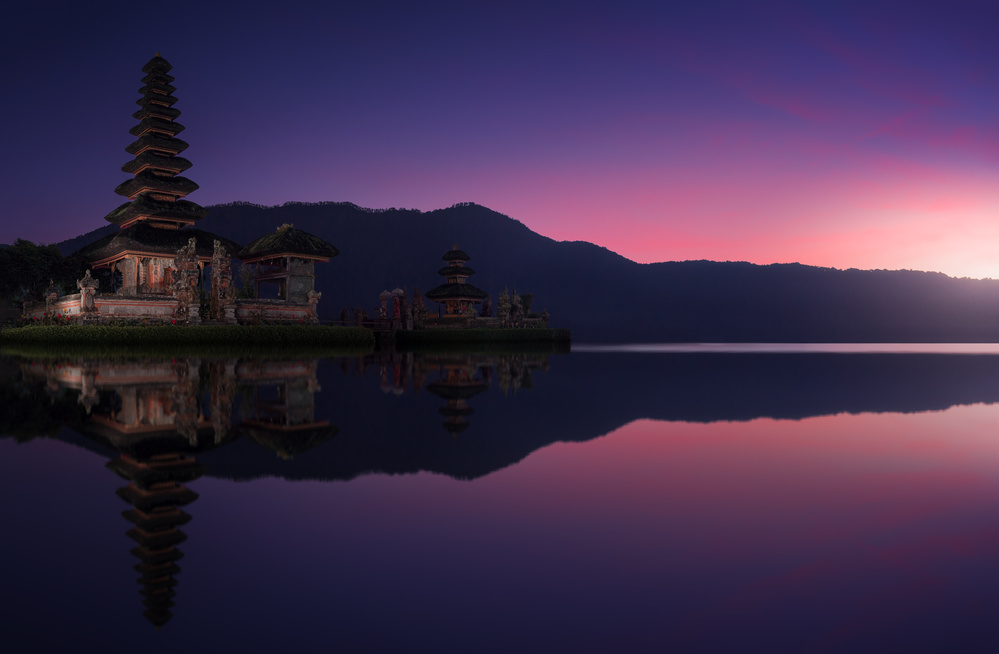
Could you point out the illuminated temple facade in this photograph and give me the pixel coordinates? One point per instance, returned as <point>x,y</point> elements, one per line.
<point>158,267</point>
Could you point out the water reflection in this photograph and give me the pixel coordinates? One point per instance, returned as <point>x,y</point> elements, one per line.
<point>172,427</point>
<point>160,416</point>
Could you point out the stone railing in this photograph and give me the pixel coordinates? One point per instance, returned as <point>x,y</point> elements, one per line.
<point>106,308</point>
<point>257,310</point>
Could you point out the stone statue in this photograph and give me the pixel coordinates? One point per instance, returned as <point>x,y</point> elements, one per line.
<point>223,299</point>
<point>313,299</point>
<point>185,288</point>
<point>88,289</point>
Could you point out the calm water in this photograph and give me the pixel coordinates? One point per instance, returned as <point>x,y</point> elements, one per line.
<point>805,499</point>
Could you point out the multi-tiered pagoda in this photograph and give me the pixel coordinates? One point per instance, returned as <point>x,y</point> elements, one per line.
<point>456,294</point>
<point>153,220</point>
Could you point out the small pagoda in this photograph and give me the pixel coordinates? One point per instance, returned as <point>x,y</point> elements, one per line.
<point>154,218</point>
<point>456,295</point>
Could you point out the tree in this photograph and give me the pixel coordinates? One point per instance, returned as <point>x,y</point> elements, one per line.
<point>26,270</point>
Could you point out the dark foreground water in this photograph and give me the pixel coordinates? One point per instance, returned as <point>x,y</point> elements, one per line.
<point>670,500</point>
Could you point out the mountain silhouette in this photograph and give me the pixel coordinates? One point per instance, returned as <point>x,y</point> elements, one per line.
<point>604,297</point>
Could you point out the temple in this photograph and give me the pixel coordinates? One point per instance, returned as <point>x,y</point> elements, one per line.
<point>285,262</point>
<point>158,267</point>
<point>456,296</point>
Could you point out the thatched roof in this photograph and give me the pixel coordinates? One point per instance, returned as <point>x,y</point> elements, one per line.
<point>157,141</point>
<point>157,84</point>
<point>154,159</point>
<point>157,110</point>
<point>152,97</point>
<point>156,77</point>
<point>172,127</point>
<point>287,240</point>
<point>456,292</point>
<point>448,271</point>
<point>454,254</point>
<point>157,65</point>
<point>143,237</point>
<point>143,205</point>
<point>176,186</point>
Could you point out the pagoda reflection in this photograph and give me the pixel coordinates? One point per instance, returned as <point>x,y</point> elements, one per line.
<point>459,382</point>
<point>159,415</point>
<point>456,378</point>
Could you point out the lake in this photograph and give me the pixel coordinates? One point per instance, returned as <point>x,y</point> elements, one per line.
<point>632,498</point>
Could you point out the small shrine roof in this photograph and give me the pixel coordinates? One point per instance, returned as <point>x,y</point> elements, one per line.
<point>288,240</point>
<point>454,254</point>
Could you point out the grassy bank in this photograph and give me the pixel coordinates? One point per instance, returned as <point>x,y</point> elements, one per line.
<point>195,340</point>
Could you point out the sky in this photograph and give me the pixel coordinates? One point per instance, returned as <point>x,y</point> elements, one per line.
<point>845,134</point>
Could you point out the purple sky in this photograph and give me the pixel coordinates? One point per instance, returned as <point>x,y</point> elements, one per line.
<point>843,134</point>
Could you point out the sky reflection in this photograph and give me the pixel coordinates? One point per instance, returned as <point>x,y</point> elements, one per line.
<point>764,348</point>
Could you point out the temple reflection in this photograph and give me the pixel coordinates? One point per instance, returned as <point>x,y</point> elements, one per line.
<point>159,415</point>
<point>281,412</point>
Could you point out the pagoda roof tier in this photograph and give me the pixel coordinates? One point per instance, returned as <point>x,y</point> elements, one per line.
<point>157,110</point>
<point>162,78</point>
<point>154,141</point>
<point>154,124</point>
<point>144,206</point>
<point>145,239</point>
<point>454,428</point>
<point>147,501</point>
<point>158,85</point>
<point>153,572</point>
<point>454,254</point>
<point>456,412</point>
<point>157,161</point>
<point>287,240</point>
<point>150,181</point>
<point>156,98</point>
<point>157,64</point>
<point>157,540</point>
<point>144,474</point>
<point>156,519</point>
<point>158,557</point>
<point>452,392</point>
<point>456,292</point>
<point>450,271</point>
